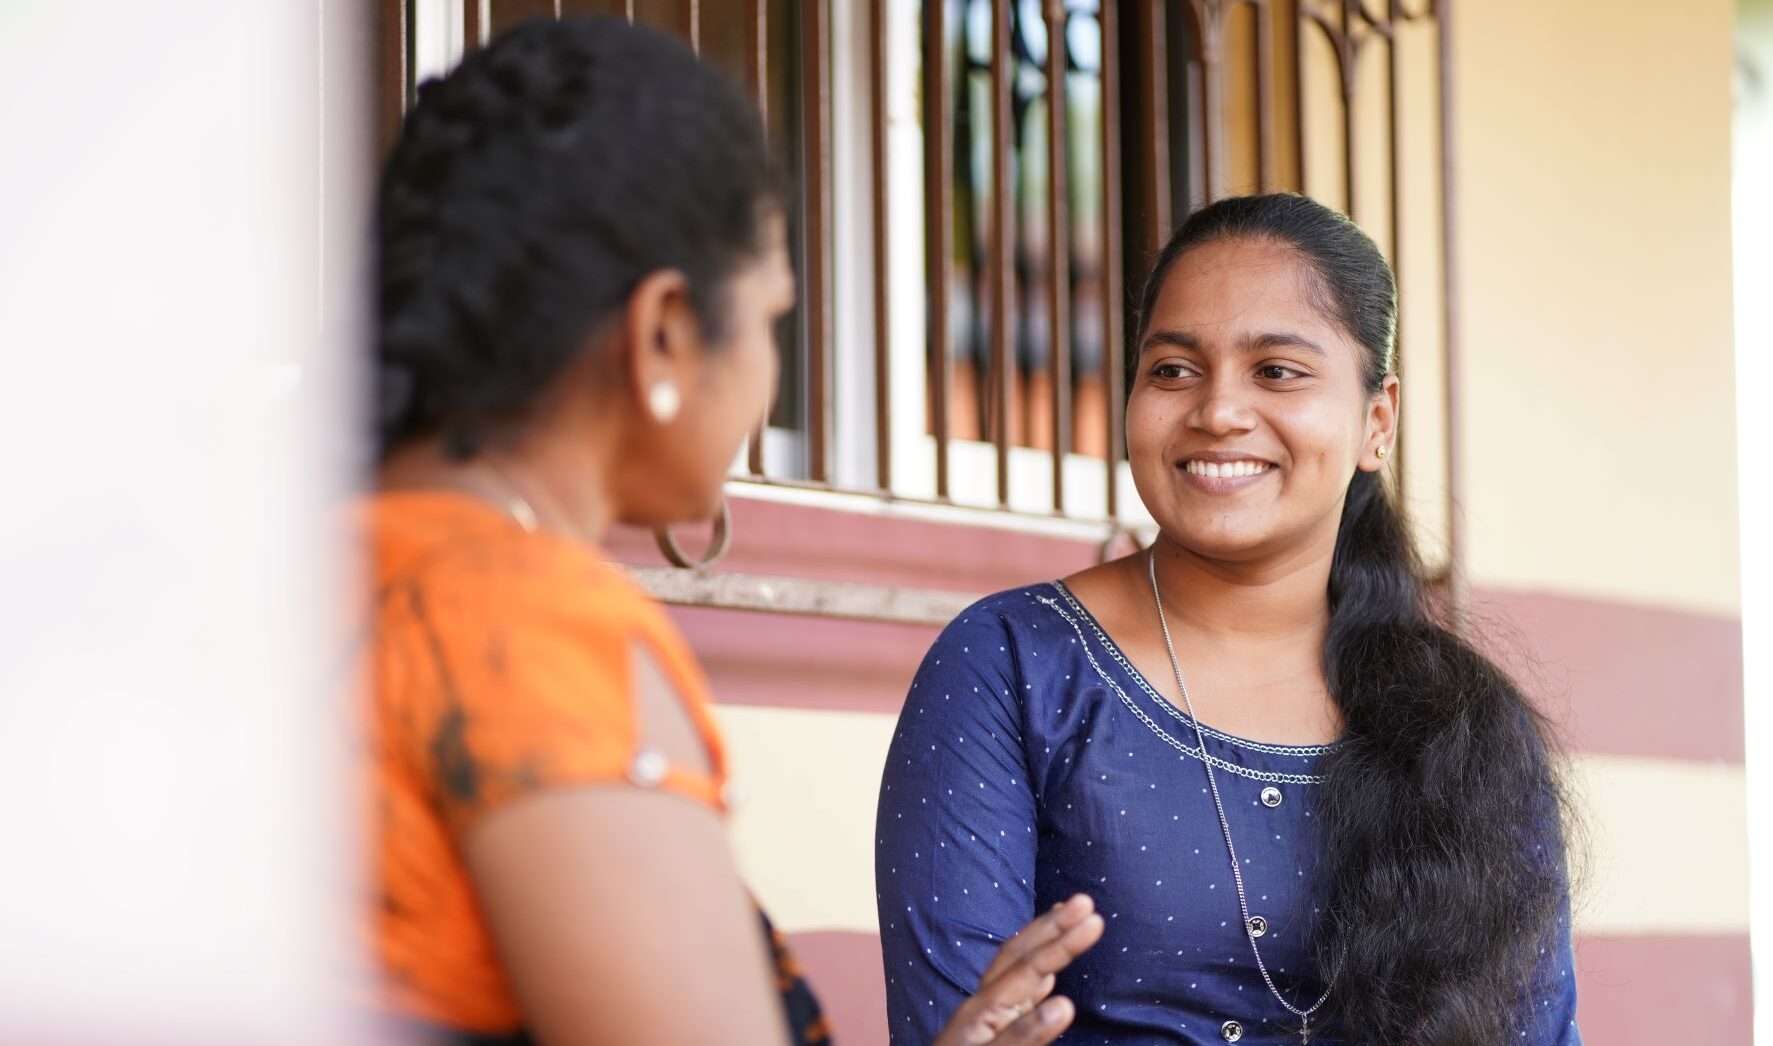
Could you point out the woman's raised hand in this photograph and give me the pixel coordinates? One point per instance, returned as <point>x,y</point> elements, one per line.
<point>1012,1006</point>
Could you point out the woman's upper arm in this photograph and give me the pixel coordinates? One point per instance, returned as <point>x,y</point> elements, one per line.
<point>607,883</point>
<point>619,917</point>
<point>955,852</point>
<point>1550,1018</point>
<point>1548,1010</point>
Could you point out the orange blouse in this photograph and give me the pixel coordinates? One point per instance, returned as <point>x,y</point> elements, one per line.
<point>500,664</point>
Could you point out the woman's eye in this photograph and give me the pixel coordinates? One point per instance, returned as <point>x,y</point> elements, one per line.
<point>1277,372</point>
<point>1169,371</point>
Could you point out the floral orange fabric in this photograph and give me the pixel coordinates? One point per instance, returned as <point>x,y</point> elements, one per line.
<point>500,663</point>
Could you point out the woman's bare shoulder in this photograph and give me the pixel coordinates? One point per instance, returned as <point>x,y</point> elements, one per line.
<point>1108,590</point>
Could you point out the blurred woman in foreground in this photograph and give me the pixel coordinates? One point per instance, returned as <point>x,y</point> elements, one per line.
<point>582,261</point>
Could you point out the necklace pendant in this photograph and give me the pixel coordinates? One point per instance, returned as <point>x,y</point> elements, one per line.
<point>1305,1030</point>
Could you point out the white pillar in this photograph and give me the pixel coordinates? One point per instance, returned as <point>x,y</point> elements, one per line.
<point>180,224</point>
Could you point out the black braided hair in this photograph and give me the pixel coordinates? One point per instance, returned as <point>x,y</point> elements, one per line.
<point>530,190</point>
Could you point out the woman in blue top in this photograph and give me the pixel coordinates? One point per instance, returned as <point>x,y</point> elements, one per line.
<point>1308,811</point>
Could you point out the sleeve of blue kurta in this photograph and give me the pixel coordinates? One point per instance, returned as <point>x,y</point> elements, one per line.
<point>955,830</point>
<point>1550,1008</point>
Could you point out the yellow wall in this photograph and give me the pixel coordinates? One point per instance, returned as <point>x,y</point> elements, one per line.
<point>1641,836</point>
<point>1593,196</point>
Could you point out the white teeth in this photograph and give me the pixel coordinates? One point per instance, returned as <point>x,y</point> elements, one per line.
<point>1226,470</point>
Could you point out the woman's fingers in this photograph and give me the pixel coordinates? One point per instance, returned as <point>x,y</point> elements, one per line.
<point>1031,1024</point>
<point>985,1015</point>
<point>1040,932</point>
<point>1019,988</point>
<point>1008,1008</point>
<point>1043,1024</point>
<point>1021,979</point>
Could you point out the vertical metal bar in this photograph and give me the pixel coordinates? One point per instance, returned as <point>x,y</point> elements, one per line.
<point>409,56</point>
<point>1193,102</point>
<point>1261,9</point>
<point>1002,363</point>
<point>1113,303</point>
<point>1212,62</point>
<point>758,57</point>
<point>939,222</point>
<point>1394,159</point>
<point>759,23</point>
<point>757,72</point>
<point>1154,84</point>
<point>1058,247</point>
<point>815,43</point>
<point>1395,139</point>
<point>393,82</point>
<point>695,26</point>
<point>628,9</point>
<point>472,25</point>
<point>1296,26</point>
<point>883,373</point>
<point>1345,66</point>
<point>557,9</point>
<point>1450,304</point>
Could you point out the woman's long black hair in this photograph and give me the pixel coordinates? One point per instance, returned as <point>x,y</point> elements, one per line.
<point>1442,812</point>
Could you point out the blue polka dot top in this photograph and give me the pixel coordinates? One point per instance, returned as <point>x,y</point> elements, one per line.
<point>1031,762</point>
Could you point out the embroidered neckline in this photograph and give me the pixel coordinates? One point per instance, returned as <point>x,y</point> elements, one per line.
<point>1293,751</point>
<point>1114,651</point>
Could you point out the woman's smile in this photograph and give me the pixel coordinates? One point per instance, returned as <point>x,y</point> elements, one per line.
<point>1219,472</point>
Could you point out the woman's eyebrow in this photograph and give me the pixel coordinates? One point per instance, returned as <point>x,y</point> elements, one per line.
<point>1268,340</point>
<point>1171,339</point>
<point>1263,342</point>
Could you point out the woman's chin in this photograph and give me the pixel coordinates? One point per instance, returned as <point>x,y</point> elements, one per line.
<point>1217,538</point>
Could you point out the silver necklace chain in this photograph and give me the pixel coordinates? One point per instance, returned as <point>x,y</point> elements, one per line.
<point>516,505</point>
<point>1237,875</point>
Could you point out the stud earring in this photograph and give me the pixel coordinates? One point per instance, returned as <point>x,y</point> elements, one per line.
<point>1380,453</point>
<point>664,401</point>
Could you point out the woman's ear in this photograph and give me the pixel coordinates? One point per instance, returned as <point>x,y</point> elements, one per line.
<point>1382,419</point>
<point>662,342</point>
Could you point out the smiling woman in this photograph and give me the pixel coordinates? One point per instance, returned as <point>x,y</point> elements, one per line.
<point>1340,824</point>
<point>1248,382</point>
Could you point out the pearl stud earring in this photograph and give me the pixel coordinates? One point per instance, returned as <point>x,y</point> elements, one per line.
<point>664,401</point>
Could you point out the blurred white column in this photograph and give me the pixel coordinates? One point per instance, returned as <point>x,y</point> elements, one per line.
<point>1753,264</point>
<point>180,223</point>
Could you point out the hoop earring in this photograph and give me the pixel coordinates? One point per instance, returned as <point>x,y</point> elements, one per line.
<point>717,546</point>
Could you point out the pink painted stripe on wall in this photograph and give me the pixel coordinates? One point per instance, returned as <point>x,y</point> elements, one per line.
<point>772,537</point>
<point>1618,680</point>
<point>1632,991</point>
<point>1659,991</point>
<point>845,971</point>
<point>805,662</point>
<point>1623,679</point>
